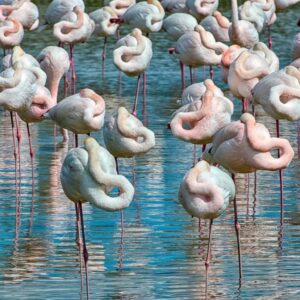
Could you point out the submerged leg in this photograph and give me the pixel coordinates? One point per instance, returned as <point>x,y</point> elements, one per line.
<point>136,96</point>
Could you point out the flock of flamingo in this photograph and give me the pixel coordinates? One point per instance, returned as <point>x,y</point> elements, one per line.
<point>202,37</point>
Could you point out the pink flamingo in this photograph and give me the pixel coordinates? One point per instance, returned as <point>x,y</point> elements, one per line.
<point>205,192</point>
<point>87,175</point>
<point>202,8</point>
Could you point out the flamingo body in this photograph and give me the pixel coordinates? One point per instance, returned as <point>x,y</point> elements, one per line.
<point>126,136</point>
<point>202,8</point>
<point>245,146</point>
<point>89,173</point>
<point>205,191</point>
<point>174,6</point>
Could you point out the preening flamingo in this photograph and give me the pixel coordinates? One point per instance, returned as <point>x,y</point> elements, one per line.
<point>205,192</point>
<point>214,113</point>
<point>241,32</point>
<point>245,146</point>
<point>254,14</point>
<point>218,25</point>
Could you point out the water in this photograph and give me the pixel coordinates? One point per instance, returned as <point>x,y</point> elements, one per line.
<point>162,254</point>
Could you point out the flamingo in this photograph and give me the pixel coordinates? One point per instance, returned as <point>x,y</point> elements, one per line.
<point>205,192</point>
<point>27,13</point>
<point>58,8</point>
<point>248,68</point>
<point>11,33</point>
<point>120,6</point>
<point>146,15</point>
<point>218,25</point>
<point>174,6</point>
<point>125,136</point>
<point>87,175</point>
<point>80,113</point>
<point>75,27</point>
<point>202,8</point>
<point>132,56</point>
<point>214,113</point>
<point>177,24</point>
<point>254,14</point>
<point>283,4</point>
<point>241,32</point>
<point>198,48</point>
<point>103,26</point>
<point>245,146</point>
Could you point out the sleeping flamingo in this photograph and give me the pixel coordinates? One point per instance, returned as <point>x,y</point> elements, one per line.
<point>103,26</point>
<point>205,192</point>
<point>58,8</point>
<point>87,175</point>
<point>120,6</point>
<point>132,56</point>
<point>202,8</point>
<point>74,27</point>
<point>126,136</point>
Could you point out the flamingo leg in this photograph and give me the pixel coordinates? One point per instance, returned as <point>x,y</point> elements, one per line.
<point>122,228</point>
<point>136,96</point>
<point>19,153</point>
<point>191,74</point>
<point>270,42</point>
<point>298,137</point>
<point>244,105</point>
<point>85,251</point>
<point>145,119</point>
<point>182,75</point>
<point>104,49</point>
<point>208,256</point>
<point>79,243</point>
<point>211,72</point>
<point>16,164</point>
<point>73,74</point>
<point>237,230</point>
<point>194,154</point>
<point>31,152</point>
<point>281,189</point>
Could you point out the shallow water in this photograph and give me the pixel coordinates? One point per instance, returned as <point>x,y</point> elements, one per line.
<point>162,252</point>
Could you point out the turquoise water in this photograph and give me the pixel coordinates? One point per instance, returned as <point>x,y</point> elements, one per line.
<point>162,253</point>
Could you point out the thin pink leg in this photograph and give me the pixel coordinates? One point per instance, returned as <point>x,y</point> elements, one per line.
<point>19,153</point>
<point>136,96</point>
<point>211,72</point>
<point>182,75</point>
<point>270,42</point>
<point>104,49</point>
<point>191,74</point>
<point>281,187</point>
<point>245,105</point>
<point>208,256</point>
<point>85,251</point>
<point>31,152</point>
<point>237,230</point>
<point>73,74</point>
<point>122,229</point>
<point>145,117</point>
